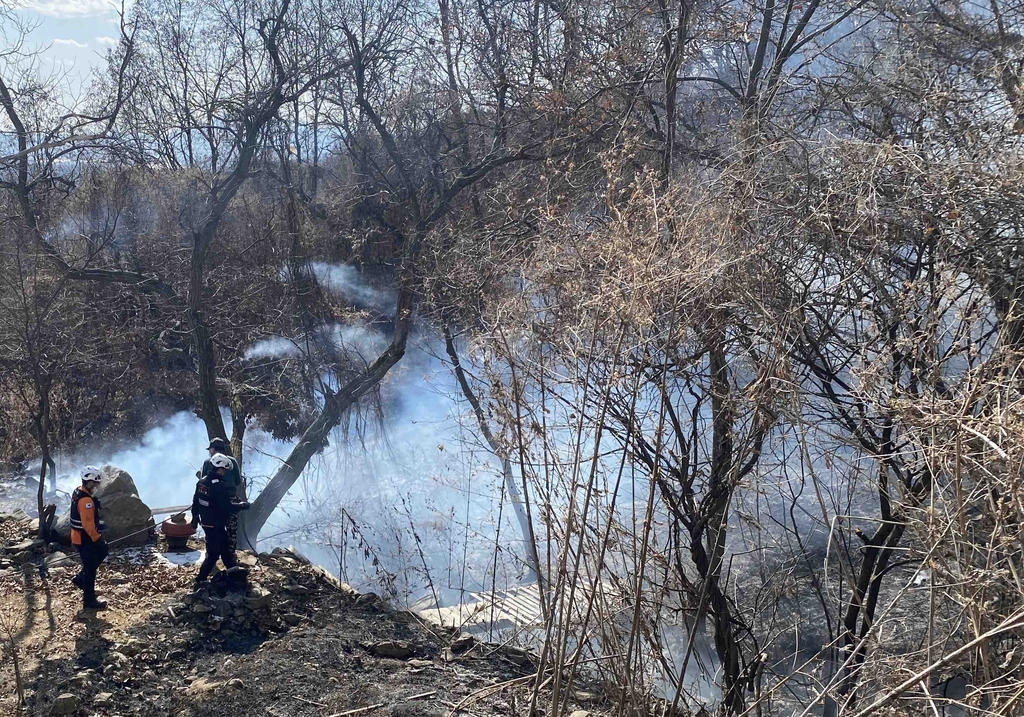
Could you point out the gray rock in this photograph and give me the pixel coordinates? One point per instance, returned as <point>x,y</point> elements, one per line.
<point>29,544</point>
<point>519,657</point>
<point>25,556</point>
<point>65,704</point>
<point>57,557</point>
<point>132,647</point>
<point>118,659</point>
<point>103,699</point>
<point>391,649</point>
<point>79,682</point>
<point>223,607</point>
<point>123,511</point>
<point>291,552</point>
<point>246,558</point>
<point>259,598</point>
<point>462,643</point>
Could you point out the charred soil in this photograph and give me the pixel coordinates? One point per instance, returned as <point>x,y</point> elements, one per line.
<point>291,642</point>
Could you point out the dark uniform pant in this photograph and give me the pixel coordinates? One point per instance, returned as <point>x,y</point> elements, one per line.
<point>92,555</point>
<point>217,546</point>
<point>232,531</point>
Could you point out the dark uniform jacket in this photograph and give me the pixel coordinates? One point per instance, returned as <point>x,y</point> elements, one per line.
<point>86,523</point>
<point>212,503</point>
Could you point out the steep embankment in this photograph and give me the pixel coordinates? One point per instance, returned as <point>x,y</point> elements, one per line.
<point>296,642</point>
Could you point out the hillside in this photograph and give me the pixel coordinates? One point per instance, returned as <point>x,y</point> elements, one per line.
<point>296,643</point>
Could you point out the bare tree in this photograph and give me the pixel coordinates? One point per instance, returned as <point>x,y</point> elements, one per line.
<point>42,137</point>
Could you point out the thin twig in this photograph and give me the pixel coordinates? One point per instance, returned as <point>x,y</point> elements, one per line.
<point>359,710</point>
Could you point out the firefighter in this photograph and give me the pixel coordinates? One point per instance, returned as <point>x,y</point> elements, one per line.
<point>213,505</point>
<point>87,535</point>
<point>232,478</point>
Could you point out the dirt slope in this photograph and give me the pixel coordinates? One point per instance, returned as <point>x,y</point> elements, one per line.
<point>296,642</point>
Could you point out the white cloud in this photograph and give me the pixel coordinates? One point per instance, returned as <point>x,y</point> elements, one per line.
<point>106,40</point>
<point>72,43</point>
<point>70,8</point>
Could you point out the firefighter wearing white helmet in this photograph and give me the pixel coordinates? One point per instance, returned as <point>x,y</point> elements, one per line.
<point>213,507</point>
<point>87,535</point>
<point>232,478</point>
<point>219,460</point>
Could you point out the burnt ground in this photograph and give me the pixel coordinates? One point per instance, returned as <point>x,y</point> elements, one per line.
<point>296,643</point>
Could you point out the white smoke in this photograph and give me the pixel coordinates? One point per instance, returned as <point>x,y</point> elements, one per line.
<point>360,341</point>
<point>364,342</point>
<point>272,347</point>
<point>344,280</point>
<point>420,469</point>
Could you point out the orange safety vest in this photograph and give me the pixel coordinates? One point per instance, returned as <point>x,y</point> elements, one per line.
<point>85,517</point>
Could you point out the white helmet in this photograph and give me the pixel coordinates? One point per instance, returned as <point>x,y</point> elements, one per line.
<point>91,473</point>
<point>219,460</point>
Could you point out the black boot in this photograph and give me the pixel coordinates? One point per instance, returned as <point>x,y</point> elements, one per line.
<point>95,604</point>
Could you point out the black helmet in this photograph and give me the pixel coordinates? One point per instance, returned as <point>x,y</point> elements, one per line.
<point>218,444</point>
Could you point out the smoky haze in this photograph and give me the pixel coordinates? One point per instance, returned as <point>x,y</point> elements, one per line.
<point>420,469</point>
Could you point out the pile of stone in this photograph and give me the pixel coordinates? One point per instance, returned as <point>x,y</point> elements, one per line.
<point>16,535</point>
<point>268,594</point>
<point>18,516</point>
<point>228,607</point>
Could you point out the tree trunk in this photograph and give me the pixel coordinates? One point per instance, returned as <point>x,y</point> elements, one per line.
<point>719,494</point>
<point>43,436</point>
<point>878,551</point>
<point>239,416</point>
<point>202,343</point>
<point>12,647</point>
<point>499,451</point>
<point>315,438</point>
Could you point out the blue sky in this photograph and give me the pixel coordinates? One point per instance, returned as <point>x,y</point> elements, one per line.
<point>73,35</point>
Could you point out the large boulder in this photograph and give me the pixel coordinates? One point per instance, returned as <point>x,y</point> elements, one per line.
<point>123,512</point>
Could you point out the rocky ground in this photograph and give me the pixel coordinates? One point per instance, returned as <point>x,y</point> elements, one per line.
<point>291,642</point>
<point>15,494</point>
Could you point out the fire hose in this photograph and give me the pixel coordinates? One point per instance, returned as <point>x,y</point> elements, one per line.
<point>44,568</point>
<point>68,559</point>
